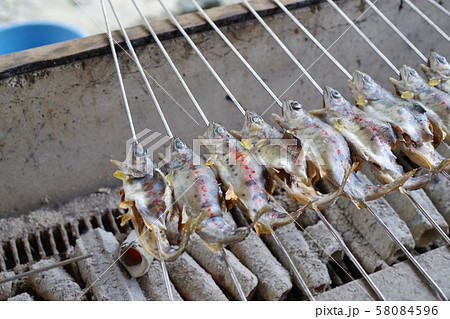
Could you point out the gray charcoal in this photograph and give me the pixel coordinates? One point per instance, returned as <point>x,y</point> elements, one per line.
<point>214,264</point>
<point>102,273</point>
<point>307,262</point>
<point>55,284</point>
<point>153,285</point>
<point>7,289</point>
<point>323,243</point>
<point>22,297</point>
<point>274,282</point>
<point>192,281</point>
<point>361,249</point>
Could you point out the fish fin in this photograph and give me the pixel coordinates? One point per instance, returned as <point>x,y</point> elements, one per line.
<point>338,124</point>
<point>210,161</point>
<point>184,216</point>
<point>246,144</point>
<point>223,204</point>
<point>161,156</point>
<point>270,185</point>
<point>259,214</point>
<point>230,194</point>
<point>120,175</point>
<point>433,81</point>
<point>128,216</point>
<point>318,112</point>
<point>361,101</point>
<point>116,163</point>
<point>237,134</point>
<point>169,178</point>
<point>407,95</point>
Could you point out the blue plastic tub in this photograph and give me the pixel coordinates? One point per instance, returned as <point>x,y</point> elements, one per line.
<point>22,36</point>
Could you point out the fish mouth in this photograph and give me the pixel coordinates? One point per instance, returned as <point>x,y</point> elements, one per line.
<point>327,96</point>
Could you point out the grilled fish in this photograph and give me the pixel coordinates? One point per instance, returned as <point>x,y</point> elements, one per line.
<point>329,151</point>
<point>438,72</point>
<point>148,199</point>
<point>408,119</point>
<point>197,193</point>
<point>283,157</point>
<point>371,139</point>
<point>437,102</point>
<point>245,179</point>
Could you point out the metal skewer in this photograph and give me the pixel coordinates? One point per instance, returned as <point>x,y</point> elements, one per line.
<point>440,7</point>
<point>119,74</point>
<point>330,228</point>
<point>358,30</point>
<point>172,65</point>
<point>400,33</point>
<point>281,44</point>
<point>116,63</point>
<point>393,237</point>
<point>316,42</point>
<point>411,258</point>
<point>430,22</point>
<point>36,271</point>
<point>205,119</point>
<point>200,55</point>
<point>232,47</point>
<point>427,216</point>
<point>180,28</point>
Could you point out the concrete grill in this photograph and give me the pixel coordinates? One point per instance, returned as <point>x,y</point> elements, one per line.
<point>61,112</point>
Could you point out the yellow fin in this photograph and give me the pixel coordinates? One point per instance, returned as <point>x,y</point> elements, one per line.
<point>169,178</point>
<point>128,216</point>
<point>407,95</point>
<point>433,82</point>
<point>361,101</point>
<point>120,175</point>
<point>230,194</point>
<point>247,144</point>
<point>210,161</point>
<point>338,125</point>
<point>184,215</point>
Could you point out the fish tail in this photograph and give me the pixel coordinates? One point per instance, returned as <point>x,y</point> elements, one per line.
<point>216,233</point>
<point>275,218</point>
<point>373,192</point>
<point>420,181</point>
<point>327,200</point>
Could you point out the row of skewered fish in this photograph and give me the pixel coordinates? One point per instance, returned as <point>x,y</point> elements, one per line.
<point>327,145</point>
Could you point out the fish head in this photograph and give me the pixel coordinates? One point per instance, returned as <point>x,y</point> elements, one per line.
<point>137,162</point>
<point>410,81</point>
<point>292,115</point>
<point>333,99</point>
<point>363,85</point>
<point>217,131</point>
<point>439,64</point>
<point>180,153</point>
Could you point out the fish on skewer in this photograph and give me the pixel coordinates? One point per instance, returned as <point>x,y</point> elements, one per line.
<point>245,179</point>
<point>370,139</point>
<point>409,120</point>
<point>330,153</point>
<point>148,198</point>
<point>197,193</point>
<point>437,102</point>
<point>285,161</point>
<point>437,72</point>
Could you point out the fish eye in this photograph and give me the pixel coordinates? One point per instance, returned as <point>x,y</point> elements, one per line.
<point>220,130</point>
<point>336,95</point>
<point>179,144</point>
<point>441,59</point>
<point>296,106</point>
<point>366,78</point>
<point>413,72</point>
<point>256,119</point>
